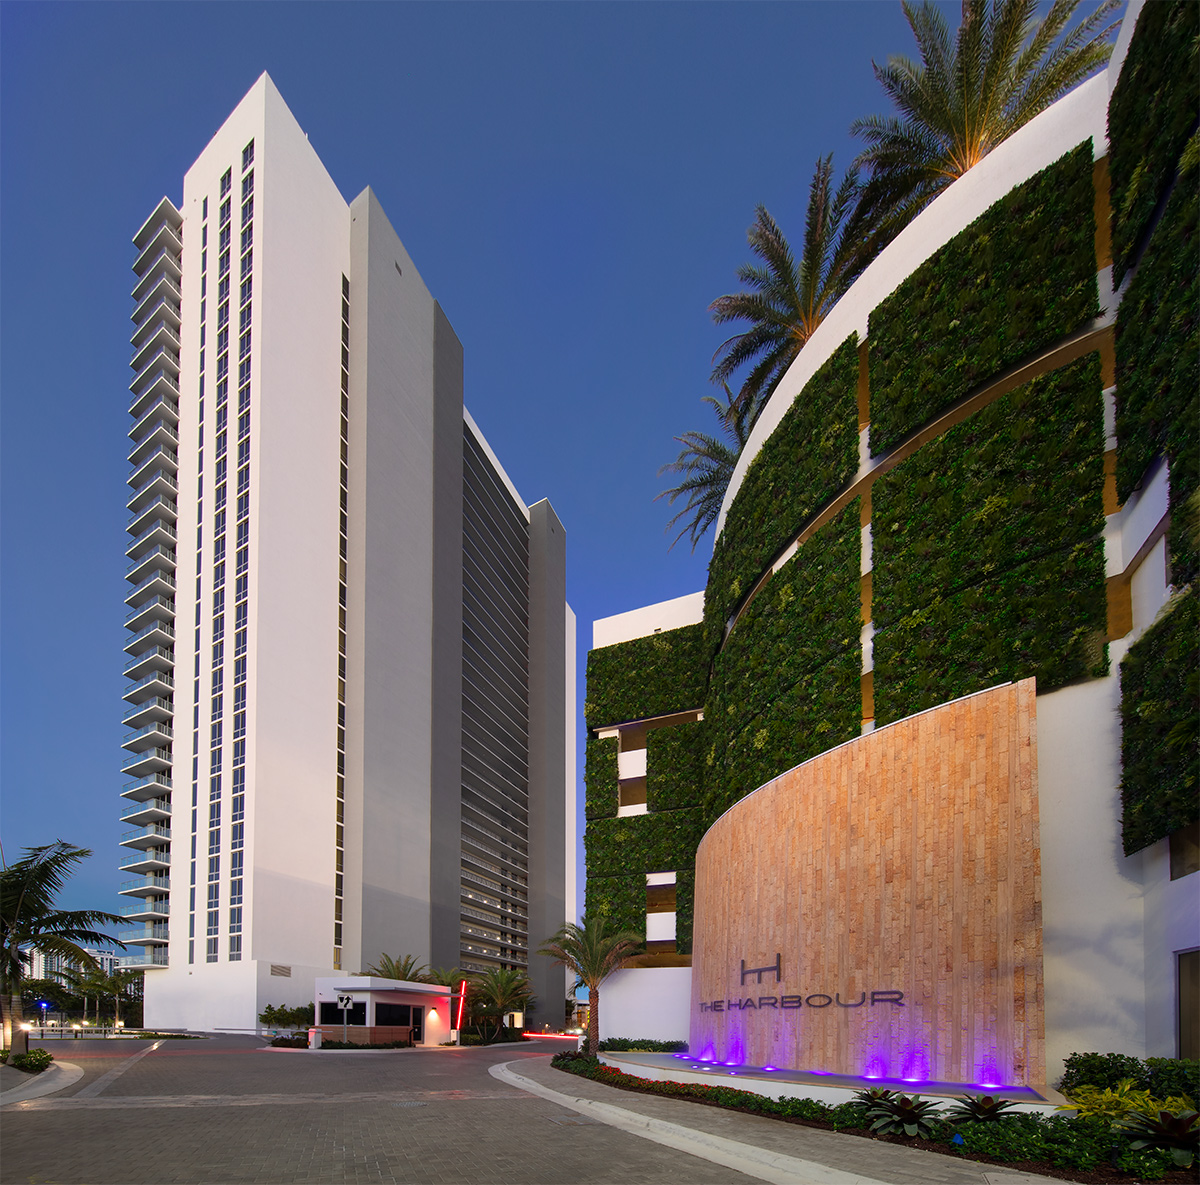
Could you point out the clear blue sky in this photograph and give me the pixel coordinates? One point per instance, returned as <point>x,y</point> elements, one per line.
<point>574,182</point>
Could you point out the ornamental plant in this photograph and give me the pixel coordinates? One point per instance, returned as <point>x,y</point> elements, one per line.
<point>33,1062</point>
<point>1115,1103</point>
<point>1174,1130</point>
<point>904,1115</point>
<point>980,1108</point>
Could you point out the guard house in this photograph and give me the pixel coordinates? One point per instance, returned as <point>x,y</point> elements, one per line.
<point>384,1010</point>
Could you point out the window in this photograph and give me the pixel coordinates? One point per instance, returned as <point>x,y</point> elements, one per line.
<point>223,289</point>
<point>247,156</point>
<point>247,263</point>
<point>247,185</point>
<point>224,263</point>
<point>247,289</point>
<point>204,208</point>
<point>225,211</point>
<point>226,182</point>
<point>244,318</point>
<point>247,238</point>
<point>226,236</point>
<point>247,211</point>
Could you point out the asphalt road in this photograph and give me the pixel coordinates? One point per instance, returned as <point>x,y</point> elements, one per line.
<point>226,1110</point>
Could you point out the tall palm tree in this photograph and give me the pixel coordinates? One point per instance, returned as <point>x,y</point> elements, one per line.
<point>706,464</point>
<point>29,889</point>
<point>784,301</point>
<point>592,951</point>
<point>963,98</point>
<point>501,990</point>
<point>407,967</point>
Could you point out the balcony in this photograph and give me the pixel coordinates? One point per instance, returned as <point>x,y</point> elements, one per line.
<point>165,263</point>
<point>157,532</point>
<point>165,238</point>
<point>156,684</point>
<point>149,762</point>
<point>164,386</point>
<point>156,609</point>
<point>164,213</point>
<point>157,633</point>
<point>163,408</point>
<point>155,735</point>
<point>157,658</point>
<point>152,861</point>
<point>164,457</point>
<point>154,483</point>
<point>162,310</point>
<point>145,886</point>
<point>159,584</point>
<point>165,289</point>
<point>155,708</point>
<point>154,810</point>
<point>160,509</point>
<point>155,958</point>
<point>158,432</point>
<point>144,789</point>
<point>163,338</point>
<point>159,558</point>
<point>162,362</point>
<point>153,934</point>
<point>149,910</point>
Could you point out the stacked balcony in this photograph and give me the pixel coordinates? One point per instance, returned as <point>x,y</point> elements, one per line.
<point>150,647</point>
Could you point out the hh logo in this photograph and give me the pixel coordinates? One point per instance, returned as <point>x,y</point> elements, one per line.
<point>775,968</point>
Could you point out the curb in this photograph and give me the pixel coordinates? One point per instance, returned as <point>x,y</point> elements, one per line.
<point>55,1077</point>
<point>775,1167</point>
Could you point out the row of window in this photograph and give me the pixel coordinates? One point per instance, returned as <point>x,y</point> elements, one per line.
<point>343,549</point>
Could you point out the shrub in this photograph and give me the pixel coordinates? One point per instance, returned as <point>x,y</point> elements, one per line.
<point>293,1043</point>
<point>1165,1077</point>
<point>1168,1129</point>
<point>348,1044</point>
<point>1110,1102</point>
<point>33,1062</point>
<point>1010,1138</point>
<point>641,1045</point>
<point>283,1016</point>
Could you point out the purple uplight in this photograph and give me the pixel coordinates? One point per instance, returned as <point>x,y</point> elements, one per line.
<point>731,1063</point>
<point>770,1068</point>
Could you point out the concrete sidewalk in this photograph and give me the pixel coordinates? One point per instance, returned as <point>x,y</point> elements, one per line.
<point>782,1153</point>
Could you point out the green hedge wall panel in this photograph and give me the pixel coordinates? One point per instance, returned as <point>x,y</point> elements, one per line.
<point>685,898</point>
<point>645,677</point>
<point>621,899</point>
<point>600,778</point>
<point>1021,478</point>
<point>1150,116</point>
<point>1160,727</point>
<point>787,684</point>
<point>674,766</point>
<point>1020,277</point>
<point>1158,363</point>
<point>663,842</point>
<point>811,455</point>
<point>1045,618</point>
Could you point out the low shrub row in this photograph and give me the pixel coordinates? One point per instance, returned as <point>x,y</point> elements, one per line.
<point>1161,1076</point>
<point>641,1045</point>
<point>33,1062</point>
<point>1033,1141</point>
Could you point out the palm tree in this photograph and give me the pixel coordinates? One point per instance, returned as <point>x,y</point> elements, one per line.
<point>786,301</point>
<point>500,990</point>
<point>87,982</point>
<point>406,967</point>
<point>592,951</point>
<point>706,464</point>
<point>964,98</point>
<point>28,917</point>
<point>446,976</point>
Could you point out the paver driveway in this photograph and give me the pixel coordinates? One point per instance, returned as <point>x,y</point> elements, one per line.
<point>223,1110</point>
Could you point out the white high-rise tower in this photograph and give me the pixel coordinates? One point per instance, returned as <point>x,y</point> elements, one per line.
<point>352,660</point>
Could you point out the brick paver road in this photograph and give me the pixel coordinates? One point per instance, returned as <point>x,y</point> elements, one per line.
<point>222,1110</point>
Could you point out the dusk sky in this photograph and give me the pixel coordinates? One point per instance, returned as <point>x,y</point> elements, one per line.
<point>574,182</point>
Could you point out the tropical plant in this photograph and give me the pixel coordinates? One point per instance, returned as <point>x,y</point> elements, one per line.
<point>406,967</point>
<point>1172,1129</point>
<point>706,464</point>
<point>783,301</point>
<point>501,990</point>
<point>1114,1103</point>
<point>446,976</point>
<point>904,1115</point>
<point>29,890</point>
<point>866,1099</point>
<point>963,99</point>
<point>284,1017</point>
<point>592,951</point>
<point>980,1108</point>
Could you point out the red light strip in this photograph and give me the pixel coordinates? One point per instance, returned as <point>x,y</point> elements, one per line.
<point>462,1002</point>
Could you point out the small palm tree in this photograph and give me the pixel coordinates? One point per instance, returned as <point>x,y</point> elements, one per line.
<point>446,976</point>
<point>87,983</point>
<point>964,98</point>
<point>29,889</point>
<point>406,967</point>
<point>592,951</point>
<point>783,301</point>
<point>501,990</point>
<point>706,464</point>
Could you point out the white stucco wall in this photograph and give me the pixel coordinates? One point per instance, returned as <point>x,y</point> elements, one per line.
<point>646,1002</point>
<point>649,619</point>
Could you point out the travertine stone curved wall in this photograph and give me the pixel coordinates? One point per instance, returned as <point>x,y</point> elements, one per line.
<point>905,861</point>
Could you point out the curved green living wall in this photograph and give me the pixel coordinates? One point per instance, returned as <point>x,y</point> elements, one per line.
<point>811,455</point>
<point>674,766</point>
<point>1160,727</point>
<point>1158,362</point>
<point>600,778</point>
<point>1151,114</point>
<point>787,684</point>
<point>1019,278</point>
<point>620,899</point>
<point>651,676</point>
<point>988,550</point>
